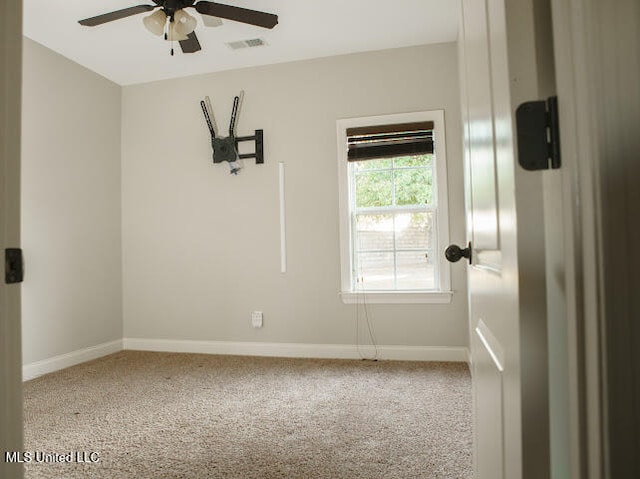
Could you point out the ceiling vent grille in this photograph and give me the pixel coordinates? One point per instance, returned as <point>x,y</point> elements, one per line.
<point>253,42</point>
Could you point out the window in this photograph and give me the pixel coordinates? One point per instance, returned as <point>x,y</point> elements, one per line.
<point>393,208</point>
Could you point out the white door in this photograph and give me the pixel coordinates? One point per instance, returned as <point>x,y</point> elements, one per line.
<point>499,67</point>
<point>493,297</point>
<point>10,350</point>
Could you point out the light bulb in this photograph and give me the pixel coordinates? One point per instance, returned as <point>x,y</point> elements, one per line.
<point>155,22</point>
<point>183,23</point>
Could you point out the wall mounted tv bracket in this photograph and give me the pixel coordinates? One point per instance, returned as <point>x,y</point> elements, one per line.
<point>226,148</point>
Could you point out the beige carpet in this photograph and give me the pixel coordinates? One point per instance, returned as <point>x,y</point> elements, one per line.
<point>166,416</point>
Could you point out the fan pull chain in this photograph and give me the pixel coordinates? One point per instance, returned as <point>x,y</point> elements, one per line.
<point>166,37</point>
<point>173,35</point>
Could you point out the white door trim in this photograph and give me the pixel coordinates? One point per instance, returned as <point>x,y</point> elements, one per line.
<point>595,107</point>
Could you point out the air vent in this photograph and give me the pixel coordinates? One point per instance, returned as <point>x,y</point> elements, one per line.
<point>253,42</point>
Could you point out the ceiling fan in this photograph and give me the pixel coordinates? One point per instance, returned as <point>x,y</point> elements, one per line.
<point>181,25</point>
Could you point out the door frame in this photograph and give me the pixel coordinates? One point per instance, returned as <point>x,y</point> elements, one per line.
<point>10,323</point>
<point>597,111</point>
<point>580,241</point>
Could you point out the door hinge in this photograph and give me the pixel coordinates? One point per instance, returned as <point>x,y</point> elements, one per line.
<point>538,134</point>
<point>13,266</point>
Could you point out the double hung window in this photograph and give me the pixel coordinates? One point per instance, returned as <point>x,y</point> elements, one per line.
<point>393,208</point>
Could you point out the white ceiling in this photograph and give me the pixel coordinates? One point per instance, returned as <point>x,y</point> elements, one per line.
<point>126,53</point>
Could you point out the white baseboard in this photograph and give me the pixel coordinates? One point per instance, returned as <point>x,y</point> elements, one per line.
<point>289,350</point>
<point>38,368</point>
<point>299,350</point>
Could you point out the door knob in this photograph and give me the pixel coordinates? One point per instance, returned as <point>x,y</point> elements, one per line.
<point>454,253</point>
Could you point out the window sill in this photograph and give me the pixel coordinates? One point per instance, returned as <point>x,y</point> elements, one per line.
<point>397,297</point>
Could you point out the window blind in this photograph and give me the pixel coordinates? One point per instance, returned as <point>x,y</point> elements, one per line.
<point>388,141</point>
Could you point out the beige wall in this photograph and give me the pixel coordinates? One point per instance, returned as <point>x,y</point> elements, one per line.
<point>201,248</point>
<point>72,294</point>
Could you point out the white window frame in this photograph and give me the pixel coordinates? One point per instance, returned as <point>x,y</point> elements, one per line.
<point>443,293</point>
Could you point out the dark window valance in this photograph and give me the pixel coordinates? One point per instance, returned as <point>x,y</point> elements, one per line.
<point>387,141</point>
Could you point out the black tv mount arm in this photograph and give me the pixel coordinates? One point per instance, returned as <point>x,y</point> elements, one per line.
<point>226,148</point>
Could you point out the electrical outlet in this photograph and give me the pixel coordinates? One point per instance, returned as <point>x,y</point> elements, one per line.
<point>256,319</point>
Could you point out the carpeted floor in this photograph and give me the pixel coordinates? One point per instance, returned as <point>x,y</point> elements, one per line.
<point>168,416</point>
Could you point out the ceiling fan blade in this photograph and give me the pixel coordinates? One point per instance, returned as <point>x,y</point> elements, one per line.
<point>238,14</point>
<point>117,15</point>
<point>191,44</point>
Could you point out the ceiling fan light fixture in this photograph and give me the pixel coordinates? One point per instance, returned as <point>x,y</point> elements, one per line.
<point>183,23</point>
<point>174,35</point>
<point>155,22</point>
